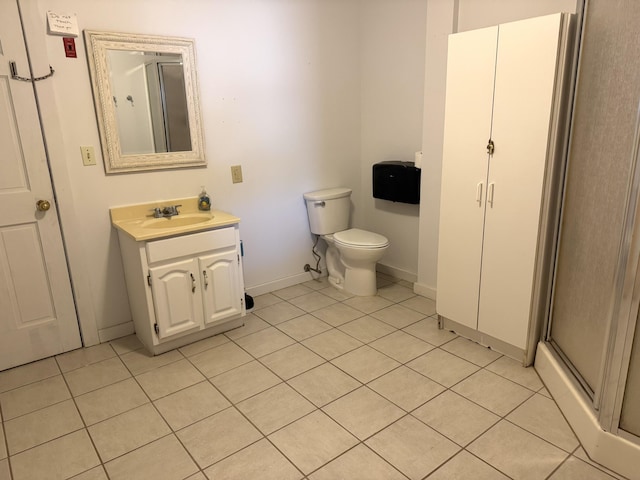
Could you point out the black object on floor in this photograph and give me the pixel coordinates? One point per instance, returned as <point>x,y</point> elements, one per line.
<point>248,301</point>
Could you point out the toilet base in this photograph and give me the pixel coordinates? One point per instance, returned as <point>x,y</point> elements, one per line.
<point>361,282</point>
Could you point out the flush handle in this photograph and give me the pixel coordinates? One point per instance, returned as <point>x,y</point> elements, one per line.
<point>319,204</point>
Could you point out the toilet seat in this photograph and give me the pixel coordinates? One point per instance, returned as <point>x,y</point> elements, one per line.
<point>356,238</point>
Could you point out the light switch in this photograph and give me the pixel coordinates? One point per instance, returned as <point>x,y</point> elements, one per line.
<point>236,173</point>
<point>88,156</point>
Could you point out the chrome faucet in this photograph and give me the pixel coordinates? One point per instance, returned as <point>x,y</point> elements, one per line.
<point>166,212</point>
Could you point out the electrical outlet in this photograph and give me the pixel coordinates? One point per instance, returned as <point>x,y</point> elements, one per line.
<point>88,156</point>
<point>236,173</point>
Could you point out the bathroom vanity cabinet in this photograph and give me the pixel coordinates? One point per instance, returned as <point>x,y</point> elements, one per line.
<point>502,134</point>
<point>185,287</point>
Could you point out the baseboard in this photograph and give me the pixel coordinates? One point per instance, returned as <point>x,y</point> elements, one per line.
<point>117,331</point>
<point>261,289</point>
<point>396,272</point>
<point>610,451</point>
<point>256,290</point>
<point>424,290</point>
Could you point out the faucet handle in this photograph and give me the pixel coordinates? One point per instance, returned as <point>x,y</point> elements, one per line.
<point>157,212</point>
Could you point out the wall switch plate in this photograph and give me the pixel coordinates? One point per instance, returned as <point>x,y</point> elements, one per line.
<point>236,173</point>
<point>88,156</point>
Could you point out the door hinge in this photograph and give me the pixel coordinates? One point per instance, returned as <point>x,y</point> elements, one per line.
<point>238,259</point>
<point>156,328</point>
<point>149,278</point>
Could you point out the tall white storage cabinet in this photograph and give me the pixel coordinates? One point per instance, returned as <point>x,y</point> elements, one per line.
<point>502,102</point>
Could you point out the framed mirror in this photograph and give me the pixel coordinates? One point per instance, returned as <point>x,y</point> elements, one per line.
<point>146,96</point>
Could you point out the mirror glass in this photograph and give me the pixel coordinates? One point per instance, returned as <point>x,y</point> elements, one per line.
<point>146,98</point>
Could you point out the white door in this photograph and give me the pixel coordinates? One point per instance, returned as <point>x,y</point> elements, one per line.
<point>221,285</point>
<point>37,313</point>
<point>470,77</point>
<point>524,95</point>
<point>177,298</point>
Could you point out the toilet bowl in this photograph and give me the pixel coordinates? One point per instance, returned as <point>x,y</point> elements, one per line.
<point>360,251</point>
<point>351,254</point>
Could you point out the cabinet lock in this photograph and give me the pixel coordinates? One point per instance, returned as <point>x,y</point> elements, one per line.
<point>490,147</point>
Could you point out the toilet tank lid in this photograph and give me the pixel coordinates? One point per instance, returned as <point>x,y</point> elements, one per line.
<point>328,194</point>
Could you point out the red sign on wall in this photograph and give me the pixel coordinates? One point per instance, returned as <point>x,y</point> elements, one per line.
<point>69,47</point>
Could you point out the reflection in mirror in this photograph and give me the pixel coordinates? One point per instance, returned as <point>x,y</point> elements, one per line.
<point>156,120</point>
<point>145,91</point>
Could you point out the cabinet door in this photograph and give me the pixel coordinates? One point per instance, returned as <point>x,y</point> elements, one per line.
<point>470,78</point>
<point>524,95</point>
<point>177,298</point>
<point>221,289</point>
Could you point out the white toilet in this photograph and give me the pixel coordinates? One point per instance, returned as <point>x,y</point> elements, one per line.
<point>352,254</point>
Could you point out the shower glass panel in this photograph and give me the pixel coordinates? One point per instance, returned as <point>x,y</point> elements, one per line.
<point>597,182</point>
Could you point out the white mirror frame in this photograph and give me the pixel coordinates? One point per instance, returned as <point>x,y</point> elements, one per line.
<point>98,44</point>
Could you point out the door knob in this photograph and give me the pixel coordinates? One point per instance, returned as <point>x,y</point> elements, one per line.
<point>43,205</point>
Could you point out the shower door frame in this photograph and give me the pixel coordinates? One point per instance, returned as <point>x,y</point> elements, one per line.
<point>625,308</point>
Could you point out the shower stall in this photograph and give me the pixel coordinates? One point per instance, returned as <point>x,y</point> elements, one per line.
<point>590,354</point>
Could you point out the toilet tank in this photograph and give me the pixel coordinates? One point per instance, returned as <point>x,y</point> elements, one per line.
<point>328,210</point>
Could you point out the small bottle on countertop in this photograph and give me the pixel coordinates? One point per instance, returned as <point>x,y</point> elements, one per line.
<point>204,201</point>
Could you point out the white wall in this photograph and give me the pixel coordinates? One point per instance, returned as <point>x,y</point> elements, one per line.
<point>281,85</point>
<point>133,116</point>
<point>444,17</point>
<point>391,111</point>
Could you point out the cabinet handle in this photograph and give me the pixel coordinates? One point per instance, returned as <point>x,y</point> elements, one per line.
<point>206,280</point>
<point>490,194</point>
<point>193,283</point>
<point>479,194</point>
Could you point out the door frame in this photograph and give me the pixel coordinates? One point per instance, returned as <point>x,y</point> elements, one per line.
<point>50,123</point>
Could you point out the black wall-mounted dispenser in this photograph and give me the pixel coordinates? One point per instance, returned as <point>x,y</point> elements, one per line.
<point>396,181</point>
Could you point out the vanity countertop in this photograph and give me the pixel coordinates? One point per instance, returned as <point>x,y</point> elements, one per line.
<point>138,221</point>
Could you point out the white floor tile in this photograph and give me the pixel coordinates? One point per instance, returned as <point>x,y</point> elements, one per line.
<point>361,387</point>
<point>517,453</point>
<point>260,461</point>
<point>363,412</point>
<point>412,447</point>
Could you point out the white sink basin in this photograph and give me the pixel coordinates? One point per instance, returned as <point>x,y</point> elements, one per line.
<point>181,220</point>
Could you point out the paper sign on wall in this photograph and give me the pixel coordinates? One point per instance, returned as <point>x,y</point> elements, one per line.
<point>64,24</point>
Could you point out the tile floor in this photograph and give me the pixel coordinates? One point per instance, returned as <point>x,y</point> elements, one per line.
<point>317,385</point>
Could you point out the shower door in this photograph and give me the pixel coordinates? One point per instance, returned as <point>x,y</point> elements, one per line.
<point>594,304</point>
